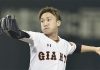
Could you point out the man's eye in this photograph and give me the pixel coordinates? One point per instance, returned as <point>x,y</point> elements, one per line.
<point>41,21</point>
<point>49,19</point>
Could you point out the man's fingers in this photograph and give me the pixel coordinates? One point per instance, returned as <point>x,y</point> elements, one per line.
<point>8,23</point>
<point>4,23</point>
<point>10,16</point>
<point>1,30</point>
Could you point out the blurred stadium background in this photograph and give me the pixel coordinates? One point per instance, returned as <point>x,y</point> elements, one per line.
<point>80,24</point>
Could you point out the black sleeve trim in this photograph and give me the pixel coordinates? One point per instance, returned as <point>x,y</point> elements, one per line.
<point>78,48</point>
<point>18,34</point>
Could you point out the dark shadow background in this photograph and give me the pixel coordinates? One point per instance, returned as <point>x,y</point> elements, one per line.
<point>14,54</point>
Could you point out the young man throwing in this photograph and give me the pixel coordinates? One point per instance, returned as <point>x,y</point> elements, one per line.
<point>48,50</point>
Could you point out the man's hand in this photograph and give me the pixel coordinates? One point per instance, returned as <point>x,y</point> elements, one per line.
<point>1,30</point>
<point>9,26</point>
<point>97,50</point>
<point>8,23</point>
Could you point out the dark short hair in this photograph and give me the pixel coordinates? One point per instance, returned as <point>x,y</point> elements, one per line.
<point>51,10</point>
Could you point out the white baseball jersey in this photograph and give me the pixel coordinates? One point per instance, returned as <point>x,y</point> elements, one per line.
<point>47,54</point>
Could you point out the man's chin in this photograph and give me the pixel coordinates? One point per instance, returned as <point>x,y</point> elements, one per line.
<point>46,33</point>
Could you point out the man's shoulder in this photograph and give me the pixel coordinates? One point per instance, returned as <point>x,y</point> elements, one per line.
<point>32,32</point>
<point>64,40</point>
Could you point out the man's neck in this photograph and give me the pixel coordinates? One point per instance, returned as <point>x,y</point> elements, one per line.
<point>53,37</point>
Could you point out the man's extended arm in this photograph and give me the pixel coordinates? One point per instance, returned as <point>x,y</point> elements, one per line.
<point>85,48</point>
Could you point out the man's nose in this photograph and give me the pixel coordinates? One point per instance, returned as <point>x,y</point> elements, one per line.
<point>45,23</point>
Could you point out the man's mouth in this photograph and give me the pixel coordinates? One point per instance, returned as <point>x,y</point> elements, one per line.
<point>46,28</point>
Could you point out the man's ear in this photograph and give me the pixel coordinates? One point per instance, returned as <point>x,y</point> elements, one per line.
<point>58,23</point>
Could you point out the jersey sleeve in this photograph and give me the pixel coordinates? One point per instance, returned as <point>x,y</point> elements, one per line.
<point>72,47</point>
<point>34,38</point>
<point>27,40</point>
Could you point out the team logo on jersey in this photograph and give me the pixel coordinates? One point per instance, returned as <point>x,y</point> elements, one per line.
<point>48,45</point>
<point>51,56</point>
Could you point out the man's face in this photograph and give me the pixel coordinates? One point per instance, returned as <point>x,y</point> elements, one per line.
<point>49,23</point>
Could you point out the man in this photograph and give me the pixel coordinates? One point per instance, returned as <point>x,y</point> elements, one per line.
<point>48,50</point>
